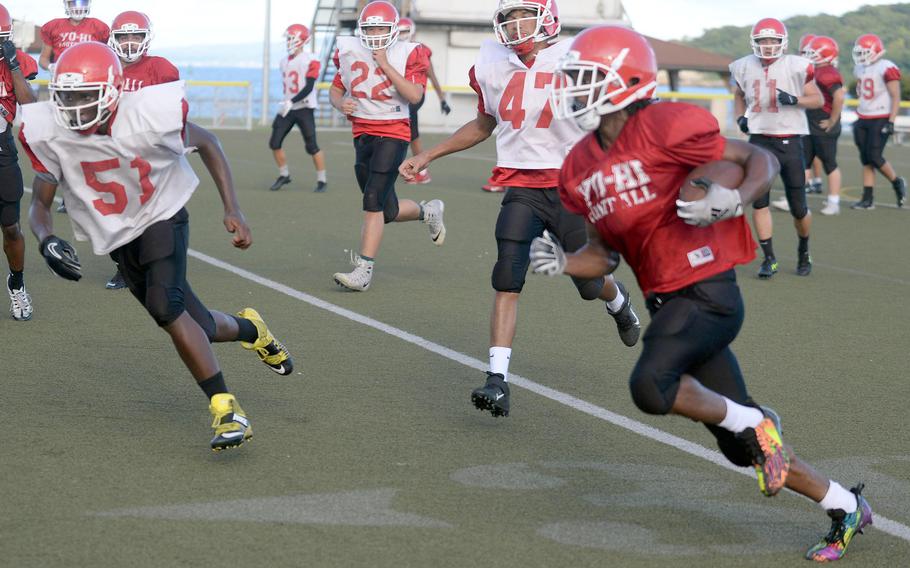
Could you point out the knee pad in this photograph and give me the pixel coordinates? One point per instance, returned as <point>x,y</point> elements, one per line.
<point>589,289</point>
<point>507,275</point>
<point>877,160</point>
<point>311,147</point>
<point>829,166</point>
<point>390,211</point>
<point>647,396</point>
<point>163,305</point>
<point>798,208</point>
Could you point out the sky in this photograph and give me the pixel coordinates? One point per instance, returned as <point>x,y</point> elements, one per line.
<point>194,22</point>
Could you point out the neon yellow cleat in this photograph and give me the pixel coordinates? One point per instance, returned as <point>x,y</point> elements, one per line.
<point>270,350</point>
<point>232,427</point>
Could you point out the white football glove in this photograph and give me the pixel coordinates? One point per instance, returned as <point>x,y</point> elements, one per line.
<point>547,256</point>
<point>284,108</point>
<point>718,204</point>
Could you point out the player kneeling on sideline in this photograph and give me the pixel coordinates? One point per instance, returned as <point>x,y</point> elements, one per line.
<point>377,78</point>
<point>299,71</point>
<point>682,253</point>
<point>15,67</point>
<point>120,159</point>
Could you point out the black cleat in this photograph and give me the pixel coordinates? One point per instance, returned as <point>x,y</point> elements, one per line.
<point>866,202</point>
<point>321,186</point>
<point>814,187</point>
<point>281,181</point>
<point>768,268</point>
<point>493,396</point>
<point>627,322</point>
<point>116,282</point>
<point>900,190</point>
<point>804,264</point>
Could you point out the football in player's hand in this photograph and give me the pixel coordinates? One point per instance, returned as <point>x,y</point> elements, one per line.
<point>723,172</point>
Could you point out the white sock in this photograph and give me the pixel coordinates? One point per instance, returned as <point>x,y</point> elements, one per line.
<point>834,199</point>
<point>838,498</point>
<point>320,176</point>
<point>740,417</point>
<point>615,304</point>
<point>499,361</point>
<point>284,171</point>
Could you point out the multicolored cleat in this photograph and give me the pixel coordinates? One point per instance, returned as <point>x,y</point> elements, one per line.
<point>270,350</point>
<point>844,526</point>
<point>769,456</point>
<point>232,427</point>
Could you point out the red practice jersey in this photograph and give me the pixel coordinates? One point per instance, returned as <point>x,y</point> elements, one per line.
<point>29,67</point>
<point>62,33</point>
<point>149,70</point>
<point>629,192</point>
<point>829,80</point>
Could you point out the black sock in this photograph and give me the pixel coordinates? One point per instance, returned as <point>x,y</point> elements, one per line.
<point>246,330</point>
<point>767,248</point>
<point>367,258</point>
<point>15,280</point>
<point>867,193</point>
<point>896,182</point>
<point>420,215</point>
<point>214,385</point>
<point>803,247</point>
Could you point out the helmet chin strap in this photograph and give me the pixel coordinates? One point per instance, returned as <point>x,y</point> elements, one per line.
<point>588,121</point>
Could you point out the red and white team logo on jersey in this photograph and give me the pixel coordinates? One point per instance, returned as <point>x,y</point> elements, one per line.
<point>628,182</point>
<point>61,33</point>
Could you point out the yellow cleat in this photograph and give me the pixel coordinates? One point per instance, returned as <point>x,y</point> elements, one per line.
<point>232,427</point>
<point>270,350</point>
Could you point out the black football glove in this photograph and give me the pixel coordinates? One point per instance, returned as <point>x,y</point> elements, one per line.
<point>444,107</point>
<point>888,129</point>
<point>61,258</point>
<point>786,99</point>
<point>8,51</point>
<point>743,123</point>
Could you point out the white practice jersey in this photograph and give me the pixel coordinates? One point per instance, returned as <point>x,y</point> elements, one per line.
<point>294,73</point>
<point>760,84</point>
<point>872,90</point>
<point>377,98</point>
<point>116,186</point>
<point>518,97</point>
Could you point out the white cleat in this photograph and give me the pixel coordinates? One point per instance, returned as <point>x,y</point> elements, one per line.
<point>831,209</point>
<point>432,216</point>
<point>781,204</point>
<point>358,279</point>
<point>20,303</point>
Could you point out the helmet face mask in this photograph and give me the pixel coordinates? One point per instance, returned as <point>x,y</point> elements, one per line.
<point>519,24</point>
<point>606,69</point>
<point>868,49</point>
<point>131,35</point>
<point>85,88</point>
<point>378,25</point>
<point>77,9</point>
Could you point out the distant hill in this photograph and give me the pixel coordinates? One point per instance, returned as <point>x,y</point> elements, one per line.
<point>889,22</point>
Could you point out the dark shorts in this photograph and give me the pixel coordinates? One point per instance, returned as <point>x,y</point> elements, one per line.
<point>302,119</point>
<point>376,166</point>
<point>524,215</point>
<point>823,147</point>
<point>789,152</point>
<point>154,268</point>
<point>690,332</point>
<point>11,186</point>
<point>871,141</point>
<point>413,108</point>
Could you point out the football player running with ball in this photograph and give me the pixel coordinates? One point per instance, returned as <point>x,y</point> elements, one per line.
<point>120,159</point>
<point>773,89</point>
<point>299,71</point>
<point>378,77</point>
<point>512,79</point>
<point>683,254</point>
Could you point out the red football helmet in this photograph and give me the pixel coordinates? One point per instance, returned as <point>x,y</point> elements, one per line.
<point>86,68</point>
<point>606,69</point>
<point>296,35</point>
<point>822,50</point>
<point>868,49</point>
<point>131,23</point>
<point>379,14</point>
<point>6,24</point>
<point>804,43</point>
<point>769,28</point>
<point>77,9</point>
<point>545,18</point>
<point>407,28</point>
